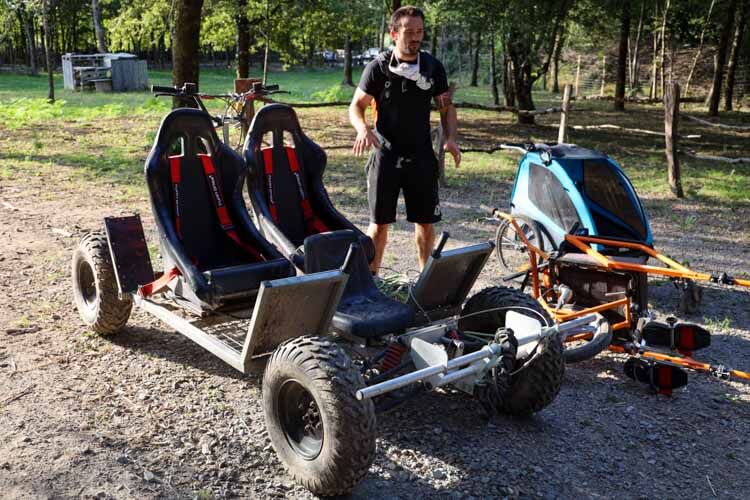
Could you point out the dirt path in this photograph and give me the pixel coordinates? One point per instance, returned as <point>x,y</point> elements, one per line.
<point>149,414</point>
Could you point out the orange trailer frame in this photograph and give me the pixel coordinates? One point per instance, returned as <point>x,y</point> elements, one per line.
<point>672,269</point>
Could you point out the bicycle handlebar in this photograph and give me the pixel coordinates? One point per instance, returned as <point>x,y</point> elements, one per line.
<point>158,89</point>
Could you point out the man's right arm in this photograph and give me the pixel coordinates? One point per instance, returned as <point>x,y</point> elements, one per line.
<point>365,136</point>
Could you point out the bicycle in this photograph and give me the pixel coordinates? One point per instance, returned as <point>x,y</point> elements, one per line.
<point>237,104</point>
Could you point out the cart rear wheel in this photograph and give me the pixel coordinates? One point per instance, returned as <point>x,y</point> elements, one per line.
<point>532,386</point>
<point>324,436</point>
<point>510,249</point>
<point>95,290</point>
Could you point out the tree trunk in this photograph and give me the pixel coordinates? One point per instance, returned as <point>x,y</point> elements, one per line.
<point>433,42</point>
<point>556,61</point>
<point>622,56</point>
<point>475,63</point>
<point>700,48</point>
<point>739,31</point>
<point>186,44</point>
<point>396,4</point>
<point>493,71</point>
<point>634,83</point>
<point>348,62</point>
<point>671,136</point>
<point>508,92</point>
<point>101,43</point>
<point>663,43</point>
<point>721,57</point>
<point>160,51</point>
<point>523,83</point>
<point>46,8</point>
<point>243,40</point>
<point>383,30</point>
<point>655,55</point>
<point>26,21</point>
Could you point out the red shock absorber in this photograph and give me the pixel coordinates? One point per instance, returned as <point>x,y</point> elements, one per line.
<point>392,356</point>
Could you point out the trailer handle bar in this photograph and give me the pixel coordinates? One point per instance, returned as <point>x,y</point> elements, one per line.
<point>491,351</point>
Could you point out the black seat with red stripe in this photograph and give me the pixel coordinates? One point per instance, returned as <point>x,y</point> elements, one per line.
<point>208,242</point>
<point>286,184</point>
<point>294,211</point>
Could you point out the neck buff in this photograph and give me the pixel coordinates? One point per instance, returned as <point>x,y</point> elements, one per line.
<point>409,70</point>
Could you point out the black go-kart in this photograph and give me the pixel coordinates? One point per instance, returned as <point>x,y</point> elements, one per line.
<point>298,296</point>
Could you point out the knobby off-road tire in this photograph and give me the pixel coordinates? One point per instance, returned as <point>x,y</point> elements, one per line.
<point>324,436</point>
<point>95,291</point>
<point>536,385</point>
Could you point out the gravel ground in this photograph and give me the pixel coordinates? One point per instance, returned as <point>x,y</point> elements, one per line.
<point>149,414</point>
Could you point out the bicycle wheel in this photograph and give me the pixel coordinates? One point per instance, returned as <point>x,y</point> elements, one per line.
<point>510,249</point>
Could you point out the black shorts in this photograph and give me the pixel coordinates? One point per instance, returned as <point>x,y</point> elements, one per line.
<point>389,173</point>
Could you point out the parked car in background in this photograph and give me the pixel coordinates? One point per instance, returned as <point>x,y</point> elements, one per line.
<point>366,56</point>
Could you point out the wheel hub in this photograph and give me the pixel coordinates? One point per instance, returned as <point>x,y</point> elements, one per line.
<point>86,283</point>
<point>300,419</point>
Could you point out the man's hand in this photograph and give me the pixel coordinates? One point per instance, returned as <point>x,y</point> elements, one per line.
<point>452,148</point>
<point>365,139</point>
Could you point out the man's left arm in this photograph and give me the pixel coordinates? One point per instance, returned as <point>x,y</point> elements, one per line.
<point>449,120</point>
<point>448,117</point>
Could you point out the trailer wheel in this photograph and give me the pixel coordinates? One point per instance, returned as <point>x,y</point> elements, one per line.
<point>511,251</point>
<point>324,436</point>
<point>691,296</point>
<point>535,385</point>
<point>584,347</point>
<point>95,290</point>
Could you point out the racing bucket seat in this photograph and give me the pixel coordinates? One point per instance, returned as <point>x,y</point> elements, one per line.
<point>293,210</point>
<point>208,243</point>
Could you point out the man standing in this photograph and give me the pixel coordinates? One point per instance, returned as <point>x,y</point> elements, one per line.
<point>402,82</point>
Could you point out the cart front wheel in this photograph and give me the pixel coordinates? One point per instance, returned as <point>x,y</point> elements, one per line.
<point>95,291</point>
<point>324,436</point>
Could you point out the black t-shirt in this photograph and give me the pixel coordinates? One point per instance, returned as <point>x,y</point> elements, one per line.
<point>404,105</point>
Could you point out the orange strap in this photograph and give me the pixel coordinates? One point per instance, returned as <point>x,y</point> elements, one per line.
<point>221,209</point>
<point>159,284</point>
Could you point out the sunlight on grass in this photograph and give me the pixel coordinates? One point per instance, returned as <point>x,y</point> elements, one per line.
<point>108,135</point>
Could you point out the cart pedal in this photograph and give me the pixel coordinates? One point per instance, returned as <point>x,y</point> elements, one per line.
<point>661,377</point>
<point>683,337</point>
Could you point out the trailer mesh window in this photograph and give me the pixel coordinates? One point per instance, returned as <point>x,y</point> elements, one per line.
<point>549,196</point>
<point>608,190</point>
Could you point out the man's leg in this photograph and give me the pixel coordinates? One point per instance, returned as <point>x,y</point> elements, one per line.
<point>379,235</point>
<point>424,235</point>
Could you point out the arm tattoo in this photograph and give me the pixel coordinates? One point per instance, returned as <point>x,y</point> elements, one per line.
<point>444,100</point>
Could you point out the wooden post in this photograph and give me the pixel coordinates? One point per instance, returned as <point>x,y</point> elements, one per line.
<point>562,134</point>
<point>604,75</point>
<point>242,85</point>
<point>578,76</point>
<point>671,125</point>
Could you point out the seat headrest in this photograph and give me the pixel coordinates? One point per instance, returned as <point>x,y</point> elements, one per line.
<point>190,124</point>
<point>274,118</point>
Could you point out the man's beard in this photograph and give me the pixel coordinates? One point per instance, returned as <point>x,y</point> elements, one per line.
<point>410,50</point>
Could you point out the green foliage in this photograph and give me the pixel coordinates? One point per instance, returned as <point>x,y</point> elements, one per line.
<point>334,93</point>
<point>140,25</point>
